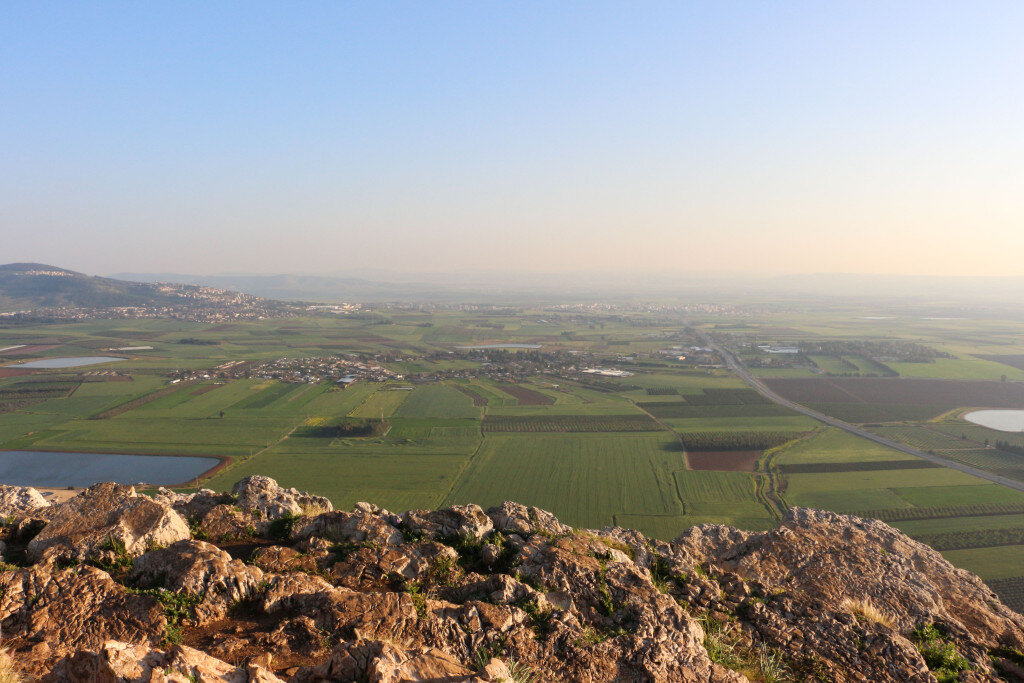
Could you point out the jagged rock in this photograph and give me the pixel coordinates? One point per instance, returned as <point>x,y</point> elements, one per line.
<point>116,662</point>
<point>390,615</point>
<point>73,609</point>
<point>347,527</point>
<point>199,569</point>
<point>382,662</point>
<point>520,519</point>
<point>103,517</point>
<point>424,664</point>
<point>262,496</point>
<point>192,505</point>
<point>193,665</point>
<point>19,499</point>
<point>112,661</point>
<point>226,522</point>
<point>822,561</point>
<point>298,635</point>
<point>281,560</point>
<point>458,520</point>
<point>500,589</point>
<point>826,596</point>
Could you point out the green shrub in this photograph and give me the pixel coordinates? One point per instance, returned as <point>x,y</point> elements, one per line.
<point>939,654</point>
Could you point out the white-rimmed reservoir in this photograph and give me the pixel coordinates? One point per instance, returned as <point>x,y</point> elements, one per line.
<point>1001,420</point>
<point>58,469</point>
<point>69,362</point>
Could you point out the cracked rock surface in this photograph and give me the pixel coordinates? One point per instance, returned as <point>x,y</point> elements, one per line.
<point>271,584</point>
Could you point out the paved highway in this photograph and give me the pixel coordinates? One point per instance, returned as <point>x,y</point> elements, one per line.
<point>761,388</point>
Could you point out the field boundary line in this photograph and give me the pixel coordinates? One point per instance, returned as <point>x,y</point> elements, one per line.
<point>737,367</point>
<point>446,499</point>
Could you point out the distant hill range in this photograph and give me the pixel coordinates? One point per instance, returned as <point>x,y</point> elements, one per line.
<point>315,287</point>
<point>37,285</point>
<point>34,285</point>
<point>950,295</point>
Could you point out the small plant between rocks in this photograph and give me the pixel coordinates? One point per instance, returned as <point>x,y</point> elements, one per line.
<point>866,610</point>
<point>939,654</point>
<point>177,608</point>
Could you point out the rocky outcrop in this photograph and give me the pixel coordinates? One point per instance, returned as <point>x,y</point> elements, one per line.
<point>268,501</point>
<point>192,505</point>
<point>19,499</point>
<point>118,661</point>
<point>291,590</point>
<point>458,520</point>
<point>53,612</point>
<point>106,519</point>
<point>348,527</point>
<point>199,569</point>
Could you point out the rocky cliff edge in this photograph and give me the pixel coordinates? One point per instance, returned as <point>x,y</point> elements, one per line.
<point>271,584</point>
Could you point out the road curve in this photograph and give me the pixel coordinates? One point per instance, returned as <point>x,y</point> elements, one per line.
<point>761,388</point>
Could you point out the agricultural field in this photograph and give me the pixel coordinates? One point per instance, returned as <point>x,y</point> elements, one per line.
<point>834,365</point>
<point>723,461</point>
<point>382,403</point>
<point>940,395</point>
<point>925,438</point>
<point>437,401</point>
<point>570,423</point>
<point>621,474</point>
<point>670,446</point>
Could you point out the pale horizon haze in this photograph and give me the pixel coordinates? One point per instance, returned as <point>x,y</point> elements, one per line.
<point>660,137</point>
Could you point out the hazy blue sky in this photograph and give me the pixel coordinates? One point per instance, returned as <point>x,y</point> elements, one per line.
<point>691,137</point>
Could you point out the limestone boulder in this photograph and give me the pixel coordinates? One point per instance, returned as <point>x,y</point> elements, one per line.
<point>515,518</point>
<point>268,501</point>
<point>281,560</point>
<point>73,609</point>
<point>106,518</point>
<point>20,499</point>
<point>192,505</point>
<point>457,520</point>
<point>120,662</point>
<point>394,665</point>
<point>200,569</point>
<point>383,662</point>
<point>347,527</point>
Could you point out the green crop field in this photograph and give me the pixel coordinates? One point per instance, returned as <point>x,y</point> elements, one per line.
<point>990,563</point>
<point>714,487</point>
<point>532,438</point>
<point>960,524</point>
<point>848,500</point>
<point>570,423</point>
<point>797,423</point>
<point>620,474</point>
<point>965,368</point>
<point>924,438</point>
<point>959,495</point>
<point>834,365</point>
<point>437,401</point>
<point>382,403</point>
<point>860,413</point>
<point>833,445</point>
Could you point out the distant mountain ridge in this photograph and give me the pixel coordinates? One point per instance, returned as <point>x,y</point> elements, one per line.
<point>511,288</point>
<point>334,288</point>
<point>39,285</point>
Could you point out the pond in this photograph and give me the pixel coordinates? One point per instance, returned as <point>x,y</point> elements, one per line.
<point>44,468</point>
<point>1002,420</point>
<point>499,346</point>
<point>75,362</point>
